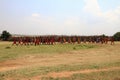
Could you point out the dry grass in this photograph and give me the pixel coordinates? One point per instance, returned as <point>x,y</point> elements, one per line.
<point>26,66</point>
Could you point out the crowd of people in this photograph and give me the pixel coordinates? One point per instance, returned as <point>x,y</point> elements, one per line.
<point>50,40</point>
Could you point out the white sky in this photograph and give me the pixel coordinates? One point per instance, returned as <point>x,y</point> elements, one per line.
<point>60,17</point>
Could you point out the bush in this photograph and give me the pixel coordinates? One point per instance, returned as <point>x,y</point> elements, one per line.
<point>5,35</point>
<point>117,36</point>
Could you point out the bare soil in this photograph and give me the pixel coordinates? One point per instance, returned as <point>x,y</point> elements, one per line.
<point>70,73</point>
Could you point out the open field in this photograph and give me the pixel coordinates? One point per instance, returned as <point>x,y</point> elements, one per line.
<point>60,62</point>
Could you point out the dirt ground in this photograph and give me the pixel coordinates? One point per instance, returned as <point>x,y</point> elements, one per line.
<point>70,73</point>
<point>91,56</point>
<point>81,57</point>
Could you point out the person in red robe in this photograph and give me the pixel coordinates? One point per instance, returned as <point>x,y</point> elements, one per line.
<point>112,40</point>
<point>14,41</point>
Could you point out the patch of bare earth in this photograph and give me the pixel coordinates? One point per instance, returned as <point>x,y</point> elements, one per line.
<point>39,60</point>
<point>70,73</point>
<point>90,56</point>
<point>103,55</point>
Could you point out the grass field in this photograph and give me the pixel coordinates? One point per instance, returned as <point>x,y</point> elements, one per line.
<point>60,62</point>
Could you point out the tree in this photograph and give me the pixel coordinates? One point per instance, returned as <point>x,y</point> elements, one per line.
<point>103,35</point>
<point>5,35</point>
<point>117,36</point>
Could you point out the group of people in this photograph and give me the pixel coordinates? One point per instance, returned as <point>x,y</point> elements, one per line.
<point>32,40</point>
<point>50,40</point>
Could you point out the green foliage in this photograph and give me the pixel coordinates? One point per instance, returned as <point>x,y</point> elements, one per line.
<point>5,35</point>
<point>117,36</point>
<point>103,35</point>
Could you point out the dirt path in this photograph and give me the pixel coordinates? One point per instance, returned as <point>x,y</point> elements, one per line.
<point>36,60</point>
<point>70,73</point>
<point>81,57</point>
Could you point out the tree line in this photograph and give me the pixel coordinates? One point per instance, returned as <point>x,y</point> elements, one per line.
<point>5,36</point>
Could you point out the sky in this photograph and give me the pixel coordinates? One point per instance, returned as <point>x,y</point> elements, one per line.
<point>60,17</point>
